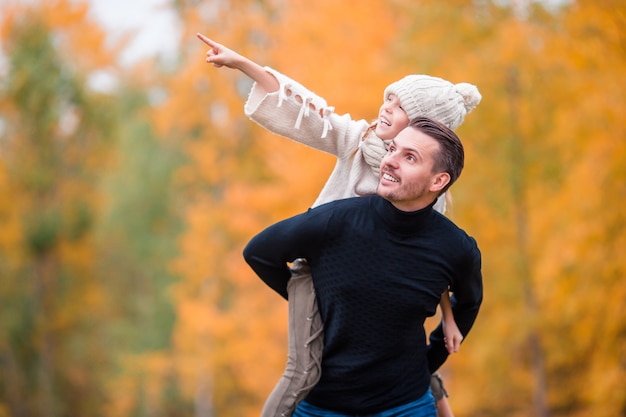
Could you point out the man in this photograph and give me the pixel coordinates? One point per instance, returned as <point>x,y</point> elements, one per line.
<point>379,265</point>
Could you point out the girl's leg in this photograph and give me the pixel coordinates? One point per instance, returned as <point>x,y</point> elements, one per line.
<point>441,396</point>
<point>306,342</point>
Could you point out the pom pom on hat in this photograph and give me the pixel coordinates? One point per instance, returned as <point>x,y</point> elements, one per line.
<point>436,98</point>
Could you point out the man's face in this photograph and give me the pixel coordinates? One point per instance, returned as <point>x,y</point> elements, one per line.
<point>407,179</point>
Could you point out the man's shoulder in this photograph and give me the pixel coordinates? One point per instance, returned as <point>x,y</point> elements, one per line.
<point>452,231</point>
<point>347,203</point>
<point>345,211</point>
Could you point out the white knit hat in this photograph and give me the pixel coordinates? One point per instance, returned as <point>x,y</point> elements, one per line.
<point>436,98</point>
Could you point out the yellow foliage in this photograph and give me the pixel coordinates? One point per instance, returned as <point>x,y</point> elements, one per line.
<point>80,37</point>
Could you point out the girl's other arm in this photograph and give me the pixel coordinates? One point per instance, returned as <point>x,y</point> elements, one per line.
<point>452,334</point>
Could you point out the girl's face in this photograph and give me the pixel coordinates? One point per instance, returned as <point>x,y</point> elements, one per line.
<point>391,118</point>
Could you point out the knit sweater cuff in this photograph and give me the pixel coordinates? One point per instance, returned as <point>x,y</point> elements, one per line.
<point>311,105</point>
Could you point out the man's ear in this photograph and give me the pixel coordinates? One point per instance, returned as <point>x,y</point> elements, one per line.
<point>439,181</point>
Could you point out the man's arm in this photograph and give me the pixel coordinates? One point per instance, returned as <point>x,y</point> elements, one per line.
<point>269,252</point>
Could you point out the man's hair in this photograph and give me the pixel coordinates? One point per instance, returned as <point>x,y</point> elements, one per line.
<point>451,155</point>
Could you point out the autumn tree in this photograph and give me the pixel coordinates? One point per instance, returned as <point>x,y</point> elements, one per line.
<point>55,138</point>
<point>220,310</point>
<point>136,238</point>
<point>90,222</point>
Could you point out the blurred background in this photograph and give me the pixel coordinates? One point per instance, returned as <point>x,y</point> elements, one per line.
<point>130,180</point>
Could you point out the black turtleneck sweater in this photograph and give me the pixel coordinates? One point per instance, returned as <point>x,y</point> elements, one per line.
<point>378,273</point>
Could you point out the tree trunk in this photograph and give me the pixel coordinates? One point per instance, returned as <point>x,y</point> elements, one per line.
<point>524,269</point>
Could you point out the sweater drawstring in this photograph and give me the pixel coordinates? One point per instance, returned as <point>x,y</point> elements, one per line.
<point>304,111</point>
<point>282,93</point>
<point>310,101</point>
<point>325,117</point>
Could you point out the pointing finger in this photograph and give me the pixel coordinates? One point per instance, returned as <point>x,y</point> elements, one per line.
<point>206,40</point>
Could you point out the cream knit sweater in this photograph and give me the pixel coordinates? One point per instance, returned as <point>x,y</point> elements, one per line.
<point>298,114</point>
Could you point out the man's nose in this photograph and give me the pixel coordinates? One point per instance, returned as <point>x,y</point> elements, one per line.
<point>390,159</point>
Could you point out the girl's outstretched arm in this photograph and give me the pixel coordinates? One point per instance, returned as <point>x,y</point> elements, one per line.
<point>221,56</point>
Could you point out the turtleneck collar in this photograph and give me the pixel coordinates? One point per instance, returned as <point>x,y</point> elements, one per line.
<point>402,221</point>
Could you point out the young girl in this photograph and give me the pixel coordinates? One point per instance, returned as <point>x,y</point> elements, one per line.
<point>284,107</point>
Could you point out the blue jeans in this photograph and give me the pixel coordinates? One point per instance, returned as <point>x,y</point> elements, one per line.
<point>422,407</point>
